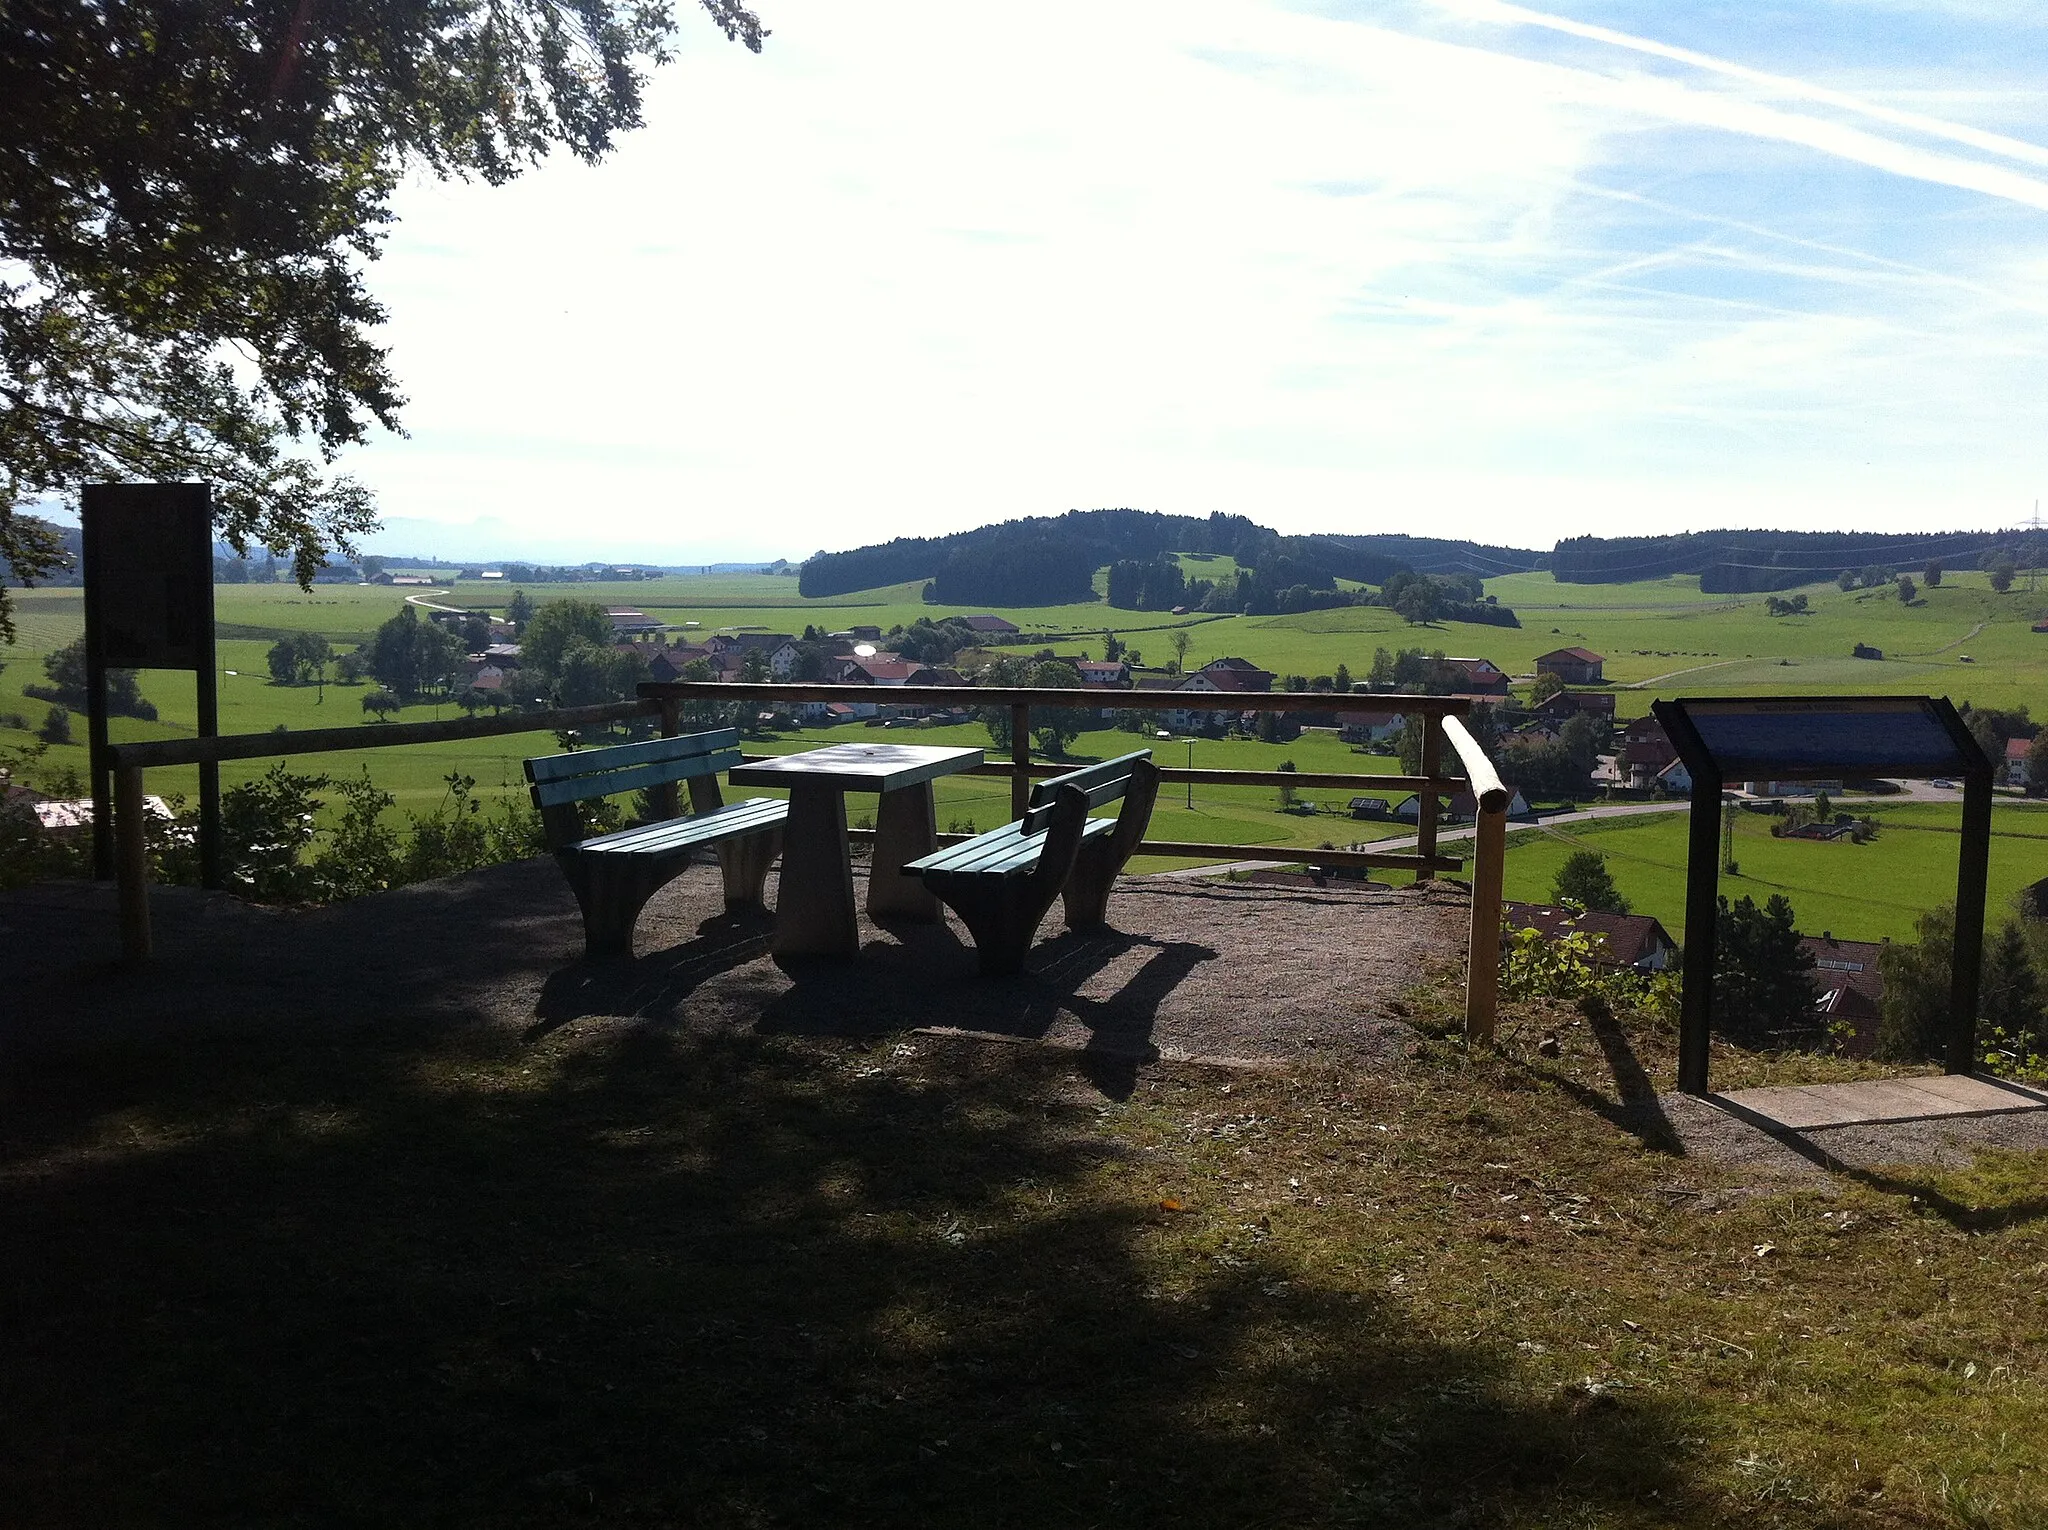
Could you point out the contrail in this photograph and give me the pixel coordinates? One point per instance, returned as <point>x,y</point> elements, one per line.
<point>1933,127</point>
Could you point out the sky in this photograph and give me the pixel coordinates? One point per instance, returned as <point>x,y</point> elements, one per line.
<point>1444,267</point>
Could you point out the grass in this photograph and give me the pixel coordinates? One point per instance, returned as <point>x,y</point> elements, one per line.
<point>629,1275</point>
<point>1662,635</point>
<point>1873,891</point>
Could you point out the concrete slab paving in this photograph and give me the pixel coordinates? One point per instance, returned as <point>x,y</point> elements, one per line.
<point>1878,1101</point>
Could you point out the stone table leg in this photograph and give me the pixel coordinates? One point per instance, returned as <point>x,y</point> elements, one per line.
<point>814,909</point>
<point>906,827</point>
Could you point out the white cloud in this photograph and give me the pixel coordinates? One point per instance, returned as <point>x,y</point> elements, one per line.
<point>912,269</point>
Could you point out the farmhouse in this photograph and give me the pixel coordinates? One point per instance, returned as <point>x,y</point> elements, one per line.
<point>1619,940</point>
<point>1228,676</point>
<point>2015,762</point>
<point>1646,751</point>
<point>632,625</point>
<point>1472,677</point>
<point>1563,705</point>
<point>1849,987</point>
<point>1369,727</point>
<point>1574,666</point>
<point>992,626</point>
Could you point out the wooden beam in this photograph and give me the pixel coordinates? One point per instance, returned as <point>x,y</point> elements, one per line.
<point>1092,697</point>
<point>1020,758</point>
<point>251,746</point>
<point>1426,805</point>
<point>1482,951</point>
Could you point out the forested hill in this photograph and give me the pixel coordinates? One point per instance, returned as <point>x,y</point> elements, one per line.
<point>1745,562</point>
<point>1051,560</point>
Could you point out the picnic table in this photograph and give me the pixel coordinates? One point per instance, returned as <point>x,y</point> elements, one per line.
<point>814,907</point>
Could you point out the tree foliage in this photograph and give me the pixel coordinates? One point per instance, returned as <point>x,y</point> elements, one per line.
<point>409,657</point>
<point>189,194</point>
<point>1584,879</point>
<point>66,669</point>
<point>1763,991</point>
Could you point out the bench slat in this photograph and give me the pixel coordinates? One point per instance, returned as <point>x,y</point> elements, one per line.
<point>1098,783</point>
<point>1089,777</point>
<point>741,817</point>
<point>751,816</point>
<point>608,783</point>
<point>583,762</point>
<point>1000,852</point>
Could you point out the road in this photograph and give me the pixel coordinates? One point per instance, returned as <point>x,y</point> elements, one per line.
<point>427,605</point>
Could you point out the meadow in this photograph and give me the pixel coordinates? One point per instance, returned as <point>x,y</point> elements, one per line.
<point>1872,891</point>
<point>1660,637</point>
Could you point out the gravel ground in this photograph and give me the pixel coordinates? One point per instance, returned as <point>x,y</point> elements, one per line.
<point>1238,974</point>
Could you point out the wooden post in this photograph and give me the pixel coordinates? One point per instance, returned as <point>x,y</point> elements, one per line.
<point>1482,954</point>
<point>1973,865</point>
<point>131,863</point>
<point>1426,800</point>
<point>666,801</point>
<point>1020,759</point>
<point>1702,908</point>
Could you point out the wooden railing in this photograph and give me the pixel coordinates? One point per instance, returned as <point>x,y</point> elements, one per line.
<point>1441,725</point>
<point>1440,718</point>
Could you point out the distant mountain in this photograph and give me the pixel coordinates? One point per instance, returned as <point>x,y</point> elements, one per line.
<point>74,548</point>
<point>1051,560</point>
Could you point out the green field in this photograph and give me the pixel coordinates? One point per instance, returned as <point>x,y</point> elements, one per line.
<point>1660,637</point>
<point>1872,891</point>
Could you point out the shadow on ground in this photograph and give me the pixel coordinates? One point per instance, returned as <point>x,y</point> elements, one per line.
<point>644,1275</point>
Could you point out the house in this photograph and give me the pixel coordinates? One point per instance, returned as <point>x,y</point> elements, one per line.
<point>504,655</point>
<point>2015,773</point>
<point>1849,987</point>
<point>1104,672</point>
<point>1229,676</point>
<point>1471,677</point>
<point>1791,788</point>
<point>1463,807</point>
<point>992,626</point>
<point>1369,726</point>
<point>1619,940</point>
<point>1561,706</point>
<point>1674,779</point>
<point>1574,666</point>
<point>488,677</point>
<point>1645,751</point>
<point>632,625</point>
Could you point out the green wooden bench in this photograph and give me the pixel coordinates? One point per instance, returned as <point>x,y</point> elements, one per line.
<point>1001,883</point>
<point>615,874</point>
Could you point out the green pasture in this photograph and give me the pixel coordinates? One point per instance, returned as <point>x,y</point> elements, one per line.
<point>1660,637</point>
<point>1872,891</point>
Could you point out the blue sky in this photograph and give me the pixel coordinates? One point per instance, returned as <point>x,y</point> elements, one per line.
<point>1457,268</point>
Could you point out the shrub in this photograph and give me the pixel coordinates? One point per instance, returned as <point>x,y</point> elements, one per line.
<point>56,728</point>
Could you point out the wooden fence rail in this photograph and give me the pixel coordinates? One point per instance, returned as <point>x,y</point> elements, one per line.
<point>1441,725</point>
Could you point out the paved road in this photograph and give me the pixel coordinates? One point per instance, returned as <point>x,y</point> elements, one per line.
<point>1910,791</point>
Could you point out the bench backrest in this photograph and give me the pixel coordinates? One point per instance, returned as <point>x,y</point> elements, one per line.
<point>582,773</point>
<point>1098,783</point>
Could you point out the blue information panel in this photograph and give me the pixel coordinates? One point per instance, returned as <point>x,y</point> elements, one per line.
<point>1830,736</point>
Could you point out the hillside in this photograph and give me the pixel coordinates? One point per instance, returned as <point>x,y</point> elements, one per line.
<point>1052,560</point>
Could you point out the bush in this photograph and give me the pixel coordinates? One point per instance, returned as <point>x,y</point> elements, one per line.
<point>56,728</point>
